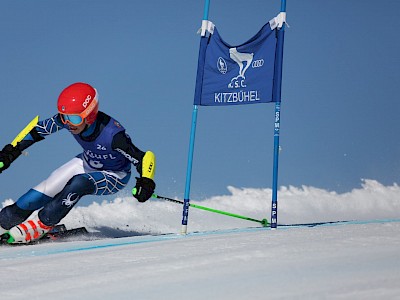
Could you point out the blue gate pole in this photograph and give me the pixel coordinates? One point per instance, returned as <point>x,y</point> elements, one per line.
<point>278,92</point>
<point>186,203</point>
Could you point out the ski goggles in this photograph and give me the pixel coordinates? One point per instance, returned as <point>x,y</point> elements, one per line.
<point>78,119</point>
<point>72,119</point>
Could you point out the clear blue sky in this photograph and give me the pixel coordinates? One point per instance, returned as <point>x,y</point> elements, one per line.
<point>340,100</point>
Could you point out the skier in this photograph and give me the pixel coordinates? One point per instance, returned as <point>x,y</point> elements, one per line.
<point>103,168</point>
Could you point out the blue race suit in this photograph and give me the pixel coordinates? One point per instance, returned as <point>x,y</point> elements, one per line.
<point>103,168</point>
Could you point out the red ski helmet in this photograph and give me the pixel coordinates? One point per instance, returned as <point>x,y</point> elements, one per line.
<point>78,102</point>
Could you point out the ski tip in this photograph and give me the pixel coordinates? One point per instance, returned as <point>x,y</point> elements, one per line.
<point>6,239</point>
<point>10,240</point>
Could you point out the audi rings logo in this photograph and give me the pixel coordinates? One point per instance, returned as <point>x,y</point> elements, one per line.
<point>222,65</point>
<point>257,63</point>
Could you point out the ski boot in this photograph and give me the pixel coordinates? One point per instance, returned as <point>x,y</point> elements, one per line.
<point>28,231</point>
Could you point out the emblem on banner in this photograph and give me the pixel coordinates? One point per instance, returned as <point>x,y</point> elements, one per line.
<point>240,59</point>
<point>222,65</point>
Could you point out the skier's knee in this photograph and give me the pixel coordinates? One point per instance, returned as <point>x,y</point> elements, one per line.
<point>79,184</point>
<point>54,211</point>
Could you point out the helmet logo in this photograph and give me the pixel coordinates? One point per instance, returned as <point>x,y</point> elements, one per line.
<point>86,102</point>
<point>63,108</point>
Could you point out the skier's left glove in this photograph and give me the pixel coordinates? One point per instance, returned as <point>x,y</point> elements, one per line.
<point>8,155</point>
<point>144,188</point>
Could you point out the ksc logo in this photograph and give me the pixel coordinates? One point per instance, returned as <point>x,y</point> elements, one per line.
<point>222,66</point>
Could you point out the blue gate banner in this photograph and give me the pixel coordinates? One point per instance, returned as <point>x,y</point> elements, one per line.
<point>234,75</point>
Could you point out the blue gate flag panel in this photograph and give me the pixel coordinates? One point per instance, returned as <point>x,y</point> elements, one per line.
<point>234,75</point>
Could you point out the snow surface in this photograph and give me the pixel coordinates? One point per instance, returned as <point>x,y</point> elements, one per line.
<point>221,257</point>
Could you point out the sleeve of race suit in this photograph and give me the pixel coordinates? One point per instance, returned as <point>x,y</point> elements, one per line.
<point>40,131</point>
<point>145,162</point>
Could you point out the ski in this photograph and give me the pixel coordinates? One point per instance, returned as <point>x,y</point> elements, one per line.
<point>59,232</point>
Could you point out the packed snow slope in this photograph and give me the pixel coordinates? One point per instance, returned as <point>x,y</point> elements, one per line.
<point>227,258</point>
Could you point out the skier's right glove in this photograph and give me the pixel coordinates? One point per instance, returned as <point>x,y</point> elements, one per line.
<point>144,189</point>
<point>8,155</point>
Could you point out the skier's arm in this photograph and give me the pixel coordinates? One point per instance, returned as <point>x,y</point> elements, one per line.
<point>10,153</point>
<point>145,163</point>
<point>41,130</point>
